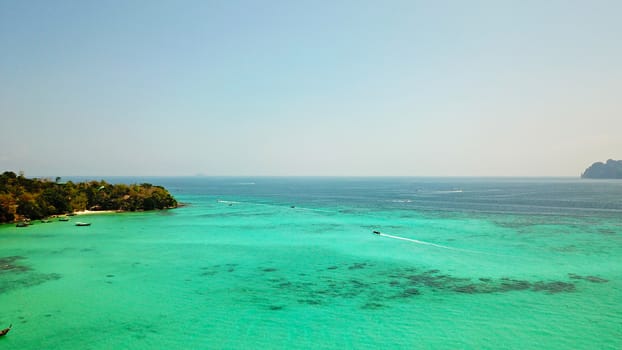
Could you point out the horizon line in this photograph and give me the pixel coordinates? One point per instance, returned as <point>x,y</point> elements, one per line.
<point>325,176</point>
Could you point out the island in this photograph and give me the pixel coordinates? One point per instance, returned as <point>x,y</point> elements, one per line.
<point>22,198</point>
<point>612,169</point>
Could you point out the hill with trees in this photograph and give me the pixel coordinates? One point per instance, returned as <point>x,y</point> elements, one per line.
<point>22,198</point>
<point>612,169</point>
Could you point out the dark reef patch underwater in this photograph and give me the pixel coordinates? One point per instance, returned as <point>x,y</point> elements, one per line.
<point>379,287</point>
<point>14,275</point>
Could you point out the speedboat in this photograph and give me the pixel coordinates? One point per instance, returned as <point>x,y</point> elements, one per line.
<point>83,224</point>
<point>377,232</point>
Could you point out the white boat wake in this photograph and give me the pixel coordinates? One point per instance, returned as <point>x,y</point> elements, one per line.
<point>417,241</point>
<point>434,244</point>
<point>275,206</point>
<point>227,202</point>
<point>312,209</point>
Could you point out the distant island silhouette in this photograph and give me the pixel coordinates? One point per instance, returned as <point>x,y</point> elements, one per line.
<point>612,169</point>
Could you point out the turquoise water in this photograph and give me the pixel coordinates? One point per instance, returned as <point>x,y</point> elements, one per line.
<point>280,263</point>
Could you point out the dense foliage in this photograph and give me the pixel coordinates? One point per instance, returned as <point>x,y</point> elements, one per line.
<point>22,198</point>
<point>612,169</point>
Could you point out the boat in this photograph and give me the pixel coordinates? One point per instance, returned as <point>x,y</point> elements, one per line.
<point>83,224</point>
<point>63,218</point>
<point>21,224</point>
<point>45,221</point>
<point>6,330</point>
<point>377,232</point>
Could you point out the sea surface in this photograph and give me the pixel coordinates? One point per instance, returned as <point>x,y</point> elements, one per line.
<point>293,263</point>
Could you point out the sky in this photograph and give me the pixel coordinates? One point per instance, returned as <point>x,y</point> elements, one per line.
<point>313,88</point>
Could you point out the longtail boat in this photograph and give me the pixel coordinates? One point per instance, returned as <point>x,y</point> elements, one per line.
<point>6,330</point>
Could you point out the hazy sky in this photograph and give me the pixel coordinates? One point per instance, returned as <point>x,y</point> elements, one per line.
<point>447,88</point>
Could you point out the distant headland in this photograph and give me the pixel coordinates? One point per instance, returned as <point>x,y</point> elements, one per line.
<point>612,169</point>
<point>22,198</point>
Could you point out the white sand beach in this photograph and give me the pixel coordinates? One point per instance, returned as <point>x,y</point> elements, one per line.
<point>90,212</point>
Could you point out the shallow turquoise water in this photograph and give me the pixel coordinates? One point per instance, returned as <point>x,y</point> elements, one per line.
<point>515,264</point>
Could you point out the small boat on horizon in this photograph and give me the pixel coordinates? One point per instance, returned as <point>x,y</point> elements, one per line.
<point>83,224</point>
